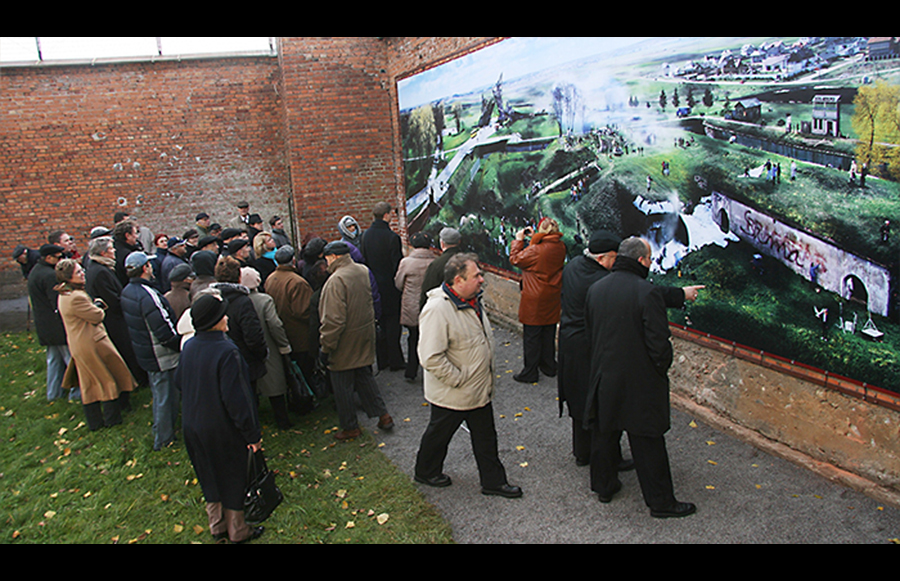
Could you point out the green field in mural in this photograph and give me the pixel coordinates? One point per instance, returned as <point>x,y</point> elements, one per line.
<point>767,169</point>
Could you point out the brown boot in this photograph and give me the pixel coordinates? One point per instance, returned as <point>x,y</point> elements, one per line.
<point>347,434</point>
<point>386,423</point>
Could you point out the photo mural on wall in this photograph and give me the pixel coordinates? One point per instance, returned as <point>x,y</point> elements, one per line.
<point>767,169</point>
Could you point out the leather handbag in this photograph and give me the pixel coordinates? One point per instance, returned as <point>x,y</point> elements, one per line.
<point>263,495</point>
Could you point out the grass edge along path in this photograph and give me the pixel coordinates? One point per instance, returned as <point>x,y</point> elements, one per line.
<point>63,484</point>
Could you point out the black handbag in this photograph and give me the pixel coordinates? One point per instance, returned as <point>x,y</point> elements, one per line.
<point>263,495</point>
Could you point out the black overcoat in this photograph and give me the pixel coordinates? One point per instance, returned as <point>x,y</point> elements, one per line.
<point>574,369</point>
<point>628,329</point>
<point>44,303</point>
<point>100,281</point>
<point>382,251</point>
<point>218,415</point>
<point>244,327</point>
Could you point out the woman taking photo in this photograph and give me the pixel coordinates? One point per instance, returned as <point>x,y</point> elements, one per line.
<point>96,366</point>
<point>542,263</point>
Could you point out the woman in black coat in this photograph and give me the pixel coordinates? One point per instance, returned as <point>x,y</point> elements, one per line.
<point>101,282</point>
<point>219,418</point>
<point>244,327</point>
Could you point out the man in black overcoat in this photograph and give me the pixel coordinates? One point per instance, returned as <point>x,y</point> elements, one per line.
<point>628,329</point>
<point>382,252</point>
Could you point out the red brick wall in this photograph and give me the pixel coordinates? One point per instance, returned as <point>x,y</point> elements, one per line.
<point>165,140</point>
<point>161,140</point>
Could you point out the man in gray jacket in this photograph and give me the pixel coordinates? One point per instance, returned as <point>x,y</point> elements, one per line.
<point>456,349</point>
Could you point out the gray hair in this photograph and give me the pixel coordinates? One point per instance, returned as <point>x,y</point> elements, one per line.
<point>458,265</point>
<point>633,247</point>
<point>99,245</point>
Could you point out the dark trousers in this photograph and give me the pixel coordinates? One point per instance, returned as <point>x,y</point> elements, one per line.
<point>388,352</point>
<point>651,462</point>
<point>443,424</point>
<point>102,414</point>
<point>412,357</point>
<point>581,442</point>
<point>361,382</point>
<point>539,350</point>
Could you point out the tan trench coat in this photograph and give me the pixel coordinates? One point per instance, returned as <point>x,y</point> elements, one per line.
<point>95,366</point>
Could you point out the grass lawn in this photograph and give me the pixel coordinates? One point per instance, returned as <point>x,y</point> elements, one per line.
<point>61,483</point>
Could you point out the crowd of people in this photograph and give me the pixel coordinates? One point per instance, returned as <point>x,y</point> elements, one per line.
<point>218,319</point>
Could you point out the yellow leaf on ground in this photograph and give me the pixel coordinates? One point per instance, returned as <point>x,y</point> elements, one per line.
<point>520,447</point>
<point>713,462</point>
<point>523,464</point>
<point>710,487</point>
<point>350,524</point>
<point>198,529</point>
<point>382,518</point>
<point>693,424</point>
<point>178,528</point>
<point>50,514</point>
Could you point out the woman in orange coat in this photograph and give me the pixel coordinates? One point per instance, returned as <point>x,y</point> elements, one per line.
<point>101,372</point>
<point>542,264</point>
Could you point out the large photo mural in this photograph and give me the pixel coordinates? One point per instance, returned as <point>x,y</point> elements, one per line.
<point>767,169</point>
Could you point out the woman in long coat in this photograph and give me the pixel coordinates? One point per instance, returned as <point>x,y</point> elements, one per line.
<point>273,384</point>
<point>219,418</point>
<point>408,280</point>
<point>101,372</point>
<point>542,263</point>
<point>101,282</point>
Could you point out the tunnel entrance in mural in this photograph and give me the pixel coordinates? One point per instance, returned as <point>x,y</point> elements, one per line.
<point>855,290</point>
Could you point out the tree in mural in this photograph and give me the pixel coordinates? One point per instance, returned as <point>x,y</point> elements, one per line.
<point>876,120</point>
<point>422,137</point>
<point>566,103</point>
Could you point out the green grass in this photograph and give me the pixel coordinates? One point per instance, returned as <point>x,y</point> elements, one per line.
<point>61,483</point>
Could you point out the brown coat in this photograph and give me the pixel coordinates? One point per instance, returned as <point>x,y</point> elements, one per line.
<point>542,265</point>
<point>347,329</point>
<point>291,294</point>
<point>101,371</point>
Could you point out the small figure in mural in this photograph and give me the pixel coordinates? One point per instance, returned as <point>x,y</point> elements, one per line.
<point>793,170</point>
<point>814,272</point>
<point>885,231</point>
<point>822,314</point>
<point>862,175</point>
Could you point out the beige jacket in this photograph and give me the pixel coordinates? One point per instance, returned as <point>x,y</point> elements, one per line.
<point>408,280</point>
<point>456,349</point>
<point>347,328</point>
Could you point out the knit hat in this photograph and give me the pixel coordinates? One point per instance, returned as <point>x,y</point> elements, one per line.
<point>204,262</point>
<point>250,277</point>
<point>603,241</point>
<point>207,310</point>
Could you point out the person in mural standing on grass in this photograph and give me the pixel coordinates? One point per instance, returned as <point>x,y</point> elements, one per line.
<point>542,263</point>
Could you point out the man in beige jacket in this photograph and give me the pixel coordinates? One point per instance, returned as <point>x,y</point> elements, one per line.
<point>347,340</point>
<point>456,349</point>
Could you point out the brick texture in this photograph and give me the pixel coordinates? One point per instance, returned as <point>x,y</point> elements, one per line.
<point>312,134</point>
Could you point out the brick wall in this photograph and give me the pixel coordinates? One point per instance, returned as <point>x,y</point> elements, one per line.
<point>318,126</point>
<point>160,140</point>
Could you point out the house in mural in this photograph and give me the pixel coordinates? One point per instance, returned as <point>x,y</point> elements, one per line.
<point>749,110</point>
<point>826,114</point>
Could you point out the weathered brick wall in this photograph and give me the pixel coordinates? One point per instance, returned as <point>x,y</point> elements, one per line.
<point>160,140</point>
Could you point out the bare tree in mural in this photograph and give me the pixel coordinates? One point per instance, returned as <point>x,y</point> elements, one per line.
<point>566,103</point>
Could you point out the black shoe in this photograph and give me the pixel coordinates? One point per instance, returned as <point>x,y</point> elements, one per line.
<point>548,372</point>
<point>439,481</point>
<point>255,533</point>
<point>678,510</point>
<point>522,379</point>
<point>606,498</point>
<point>626,465</point>
<point>580,462</point>
<point>507,491</point>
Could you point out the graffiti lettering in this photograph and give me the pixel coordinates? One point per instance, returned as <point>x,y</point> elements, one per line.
<point>781,245</point>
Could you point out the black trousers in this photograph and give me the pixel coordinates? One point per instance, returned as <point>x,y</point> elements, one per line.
<point>388,352</point>
<point>443,424</point>
<point>651,462</point>
<point>412,356</point>
<point>581,442</point>
<point>539,350</point>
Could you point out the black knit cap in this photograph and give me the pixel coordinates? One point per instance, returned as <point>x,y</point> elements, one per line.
<point>207,310</point>
<point>603,241</point>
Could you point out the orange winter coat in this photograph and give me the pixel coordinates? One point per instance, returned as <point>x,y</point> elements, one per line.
<point>542,265</point>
